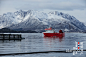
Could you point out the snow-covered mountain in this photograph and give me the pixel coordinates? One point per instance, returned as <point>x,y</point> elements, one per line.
<point>10,18</point>
<point>36,20</point>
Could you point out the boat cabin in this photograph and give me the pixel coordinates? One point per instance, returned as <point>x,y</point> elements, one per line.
<point>50,30</point>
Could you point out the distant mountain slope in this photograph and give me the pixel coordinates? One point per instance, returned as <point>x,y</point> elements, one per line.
<point>72,19</point>
<point>6,30</point>
<point>38,21</point>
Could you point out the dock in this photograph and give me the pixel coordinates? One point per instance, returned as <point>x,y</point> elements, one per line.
<point>11,37</point>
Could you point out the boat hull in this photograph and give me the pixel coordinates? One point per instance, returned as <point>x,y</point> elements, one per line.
<point>54,34</point>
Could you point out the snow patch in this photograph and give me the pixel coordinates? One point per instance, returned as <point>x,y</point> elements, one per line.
<point>66,30</point>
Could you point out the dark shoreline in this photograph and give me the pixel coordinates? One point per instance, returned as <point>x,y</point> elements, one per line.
<point>7,30</point>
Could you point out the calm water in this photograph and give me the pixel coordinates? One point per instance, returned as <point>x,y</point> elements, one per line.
<point>35,42</point>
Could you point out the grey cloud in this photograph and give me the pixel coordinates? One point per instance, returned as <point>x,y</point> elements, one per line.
<point>55,6</point>
<point>45,4</point>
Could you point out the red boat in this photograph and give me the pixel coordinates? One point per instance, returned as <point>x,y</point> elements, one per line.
<point>51,32</point>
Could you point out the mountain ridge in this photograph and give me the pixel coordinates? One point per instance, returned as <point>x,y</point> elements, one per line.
<point>38,21</point>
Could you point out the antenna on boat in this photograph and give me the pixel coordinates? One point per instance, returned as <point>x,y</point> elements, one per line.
<point>50,25</point>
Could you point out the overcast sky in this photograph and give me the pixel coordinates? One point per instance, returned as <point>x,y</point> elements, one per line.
<point>76,8</point>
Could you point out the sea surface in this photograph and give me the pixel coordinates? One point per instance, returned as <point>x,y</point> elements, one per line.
<point>36,42</point>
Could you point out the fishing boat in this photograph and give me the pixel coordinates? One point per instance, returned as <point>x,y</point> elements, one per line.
<point>49,32</point>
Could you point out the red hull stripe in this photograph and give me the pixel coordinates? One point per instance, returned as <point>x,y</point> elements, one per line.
<point>53,34</point>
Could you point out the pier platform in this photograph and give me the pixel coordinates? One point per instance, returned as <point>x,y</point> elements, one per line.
<point>11,37</point>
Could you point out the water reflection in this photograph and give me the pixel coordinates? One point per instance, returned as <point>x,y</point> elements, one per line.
<point>9,41</point>
<point>54,38</point>
<point>53,43</point>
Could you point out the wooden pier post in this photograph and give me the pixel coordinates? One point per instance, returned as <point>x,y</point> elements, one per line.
<point>14,36</point>
<point>9,36</point>
<point>20,36</point>
<point>3,36</point>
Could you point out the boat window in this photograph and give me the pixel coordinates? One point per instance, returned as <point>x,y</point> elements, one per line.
<point>51,31</point>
